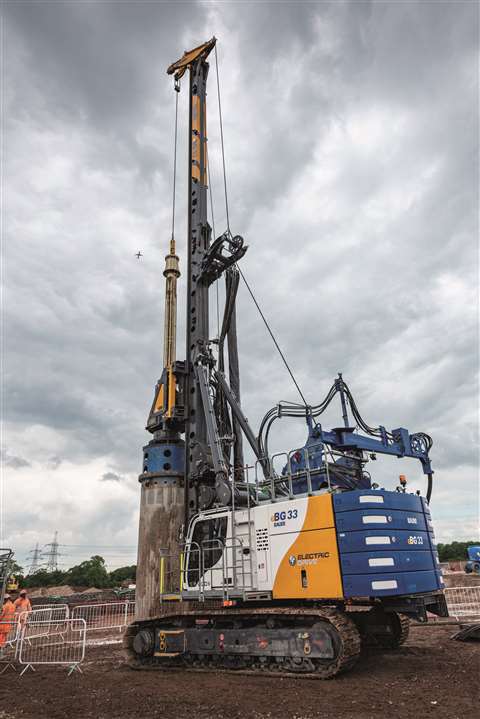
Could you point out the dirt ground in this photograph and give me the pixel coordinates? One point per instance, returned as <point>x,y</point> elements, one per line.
<point>430,676</point>
<point>461,579</point>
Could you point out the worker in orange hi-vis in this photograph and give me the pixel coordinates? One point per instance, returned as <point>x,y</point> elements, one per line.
<point>7,618</point>
<point>22,606</point>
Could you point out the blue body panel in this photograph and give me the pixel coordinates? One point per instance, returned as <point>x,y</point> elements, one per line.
<point>429,523</point>
<point>382,539</point>
<point>377,499</point>
<point>383,585</point>
<point>382,562</point>
<point>163,457</point>
<point>386,544</point>
<point>381,519</point>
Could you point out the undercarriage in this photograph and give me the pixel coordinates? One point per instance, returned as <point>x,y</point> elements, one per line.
<point>315,641</point>
<point>319,643</point>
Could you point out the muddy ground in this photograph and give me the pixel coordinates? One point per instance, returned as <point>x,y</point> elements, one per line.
<point>431,676</point>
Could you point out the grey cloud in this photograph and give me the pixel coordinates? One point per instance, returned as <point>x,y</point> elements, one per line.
<point>11,460</point>
<point>54,463</point>
<point>110,477</point>
<point>98,64</point>
<point>95,59</point>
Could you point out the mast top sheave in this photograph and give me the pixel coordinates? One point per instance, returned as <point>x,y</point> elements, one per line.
<point>189,57</point>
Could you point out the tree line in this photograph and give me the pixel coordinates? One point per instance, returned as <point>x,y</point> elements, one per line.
<point>90,573</point>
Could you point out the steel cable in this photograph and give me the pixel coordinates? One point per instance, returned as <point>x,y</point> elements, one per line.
<point>177,92</point>
<point>229,232</point>
<point>221,139</point>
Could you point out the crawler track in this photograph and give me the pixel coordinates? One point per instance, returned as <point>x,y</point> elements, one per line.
<point>341,627</point>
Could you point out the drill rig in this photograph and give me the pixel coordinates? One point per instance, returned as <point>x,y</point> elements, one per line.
<point>291,563</point>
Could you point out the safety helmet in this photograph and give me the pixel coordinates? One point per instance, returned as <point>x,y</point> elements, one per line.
<point>23,591</point>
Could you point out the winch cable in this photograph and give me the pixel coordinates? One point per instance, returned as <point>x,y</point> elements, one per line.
<point>273,337</point>
<point>177,93</point>
<point>221,139</point>
<point>228,228</point>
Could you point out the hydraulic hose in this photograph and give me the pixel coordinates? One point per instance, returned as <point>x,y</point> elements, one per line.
<point>429,486</point>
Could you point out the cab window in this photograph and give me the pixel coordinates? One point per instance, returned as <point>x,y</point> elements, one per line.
<point>205,531</point>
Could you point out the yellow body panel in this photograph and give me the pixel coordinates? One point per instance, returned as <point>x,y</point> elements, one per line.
<point>319,513</point>
<point>171,394</point>
<point>199,139</point>
<point>160,401</point>
<point>310,567</point>
<point>167,394</point>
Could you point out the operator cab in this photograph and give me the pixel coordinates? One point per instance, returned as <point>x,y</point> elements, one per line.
<point>218,553</point>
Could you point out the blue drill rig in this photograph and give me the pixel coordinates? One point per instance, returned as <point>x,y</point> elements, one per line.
<point>289,564</point>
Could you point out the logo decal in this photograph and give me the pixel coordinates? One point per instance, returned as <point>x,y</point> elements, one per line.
<point>305,559</point>
<point>279,518</point>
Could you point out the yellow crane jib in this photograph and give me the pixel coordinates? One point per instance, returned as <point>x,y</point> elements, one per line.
<point>190,56</point>
<point>198,150</point>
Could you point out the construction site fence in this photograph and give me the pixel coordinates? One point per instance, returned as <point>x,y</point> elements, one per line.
<point>108,616</point>
<point>62,645</point>
<point>463,602</point>
<point>43,607</point>
<point>37,622</point>
<point>28,641</point>
<point>8,635</point>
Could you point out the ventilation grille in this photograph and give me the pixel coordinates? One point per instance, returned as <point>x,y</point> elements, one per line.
<point>262,539</point>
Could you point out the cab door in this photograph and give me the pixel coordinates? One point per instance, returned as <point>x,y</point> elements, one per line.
<point>205,554</point>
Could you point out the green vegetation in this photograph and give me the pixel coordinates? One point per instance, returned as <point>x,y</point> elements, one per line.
<point>91,573</point>
<point>123,574</point>
<point>455,551</point>
<point>16,569</point>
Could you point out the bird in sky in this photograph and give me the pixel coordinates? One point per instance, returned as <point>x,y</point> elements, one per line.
<point>138,255</point>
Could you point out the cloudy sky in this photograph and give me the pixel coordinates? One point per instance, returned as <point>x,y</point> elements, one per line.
<point>351,133</point>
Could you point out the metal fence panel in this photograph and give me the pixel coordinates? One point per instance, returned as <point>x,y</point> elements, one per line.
<point>42,622</point>
<point>463,601</point>
<point>66,647</point>
<point>64,607</point>
<point>52,613</point>
<point>8,644</point>
<point>113,615</point>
